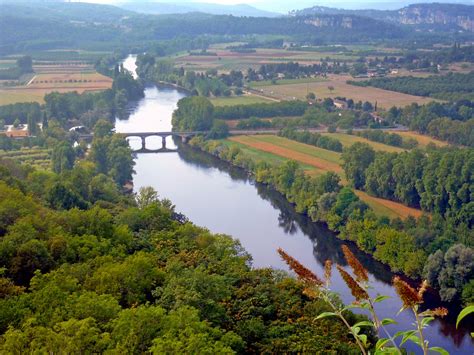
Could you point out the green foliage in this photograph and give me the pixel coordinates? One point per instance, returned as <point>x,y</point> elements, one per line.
<point>194,113</point>
<point>451,272</point>
<point>261,110</point>
<point>315,139</point>
<point>112,157</point>
<point>62,157</point>
<point>356,159</point>
<point>137,278</point>
<point>452,121</point>
<point>456,86</point>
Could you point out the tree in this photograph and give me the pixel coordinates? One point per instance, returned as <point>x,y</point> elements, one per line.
<point>103,128</point>
<point>62,157</point>
<point>311,96</point>
<point>219,130</point>
<point>146,196</point>
<point>25,64</point>
<point>193,114</point>
<point>356,159</point>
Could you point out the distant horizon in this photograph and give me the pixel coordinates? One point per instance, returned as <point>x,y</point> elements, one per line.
<point>281,6</point>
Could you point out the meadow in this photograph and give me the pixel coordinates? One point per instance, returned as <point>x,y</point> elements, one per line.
<point>348,139</point>
<point>239,100</point>
<point>422,139</point>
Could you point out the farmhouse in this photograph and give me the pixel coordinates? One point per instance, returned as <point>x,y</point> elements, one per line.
<point>20,131</point>
<point>341,104</point>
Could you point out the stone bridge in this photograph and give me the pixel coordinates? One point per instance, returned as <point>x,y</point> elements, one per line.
<point>184,136</point>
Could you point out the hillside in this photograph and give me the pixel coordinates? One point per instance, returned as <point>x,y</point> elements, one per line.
<point>435,16</point>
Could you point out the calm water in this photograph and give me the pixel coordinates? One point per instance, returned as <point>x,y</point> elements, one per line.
<point>221,198</point>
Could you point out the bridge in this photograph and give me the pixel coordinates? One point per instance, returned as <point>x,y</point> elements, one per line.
<point>186,136</point>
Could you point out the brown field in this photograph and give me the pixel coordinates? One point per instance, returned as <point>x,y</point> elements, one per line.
<point>384,98</point>
<point>311,160</point>
<point>63,67</point>
<point>84,81</point>
<point>387,207</point>
<point>45,82</point>
<point>423,140</point>
<point>317,161</point>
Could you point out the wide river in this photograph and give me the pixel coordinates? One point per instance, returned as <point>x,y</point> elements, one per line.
<point>222,198</point>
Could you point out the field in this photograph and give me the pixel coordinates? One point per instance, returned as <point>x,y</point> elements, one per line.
<point>239,100</point>
<point>51,77</point>
<point>37,157</point>
<point>256,84</point>
<point>337,86</point>
<point>347,140</point>
<point>422,140</point>
<point>316,161</point>
<point>64,55</point>
<point>226,60</point>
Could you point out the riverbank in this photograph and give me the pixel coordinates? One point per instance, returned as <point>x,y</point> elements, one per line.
<point>309,194</point>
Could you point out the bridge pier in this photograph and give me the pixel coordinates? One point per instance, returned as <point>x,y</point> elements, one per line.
<point>163,142</point>
<point>143,143</point>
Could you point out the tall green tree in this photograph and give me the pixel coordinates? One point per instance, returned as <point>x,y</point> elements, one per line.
<point>193,114</point>
<point>356,159</point>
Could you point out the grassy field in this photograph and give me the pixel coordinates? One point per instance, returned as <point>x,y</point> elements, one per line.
<point>37,157</point>
<point>287,81</point>
<point>422,140</point>
<point>239,100</point>
<point>347,140</point>
<point>337,86</point>
<point>64,54</point>
<point>315,161</point>
<point>11,96</point>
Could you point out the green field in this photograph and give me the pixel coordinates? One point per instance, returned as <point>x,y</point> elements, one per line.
<point>347,140</point>
<point>286,81</point>
<point>64,55</point>
<point>36,157</point>
<point>238,100</point>
<point>13,96</point>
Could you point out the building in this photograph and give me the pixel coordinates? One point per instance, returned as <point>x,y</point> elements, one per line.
<point>21,131</point>
<point>341,104</point>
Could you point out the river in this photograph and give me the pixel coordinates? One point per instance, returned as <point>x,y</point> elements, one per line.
<point>221,198</point>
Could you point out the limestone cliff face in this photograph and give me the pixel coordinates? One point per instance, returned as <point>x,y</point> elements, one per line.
<point>445,16</point>
<point>344,22</point>
<point>461,16</point>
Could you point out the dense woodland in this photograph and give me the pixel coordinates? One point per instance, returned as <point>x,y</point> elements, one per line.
<point>89,269</point>
<point>451,86</point>
<point>452,122</point>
